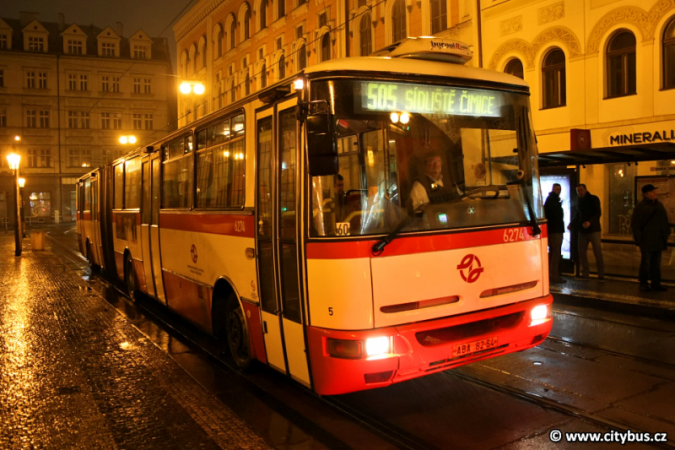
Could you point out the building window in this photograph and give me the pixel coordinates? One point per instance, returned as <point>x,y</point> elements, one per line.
<point>117,121</point>
<point>3,118</point>
<point>138,121</point>
<point>282,67</point>
<point>323,19</point>
<point>42,80</point>
<point>137,85</point>
<point>669,56</point>
<point>366,35</point>
<point>398,26</point>
<point>30,80</point>
<point>439,16</point>
<point>74,47</point>
<point>2,78</point>
<point>302,57</point>
<point>148,121</point>
<point>4,42</point>
<point>105,83</point>
<point>84,82</point>
<point>79,158</point>
<point>139,51</point>
<point>219,43</point>
<point>115,84</point>
<point>72,82</point>
<point>281,8</point>
<point>107,49</point>
<point>44,118</point>
<point>36,44</point>
<point>39,158</point>
<point>78,119</point>
<point>325,47</point>
<point>263,14</point>
<point>40,204</point>
<point>515,68</point>
<point>553,74</point>
<point>233,39</point>
<point>147,83</point>
<point>109,155</point>
<point>621,79</point>
<point>105,121</point>
<point>247,84</point>
<point>31,118</point>
<point>247,24</point>
<point>263,76</point>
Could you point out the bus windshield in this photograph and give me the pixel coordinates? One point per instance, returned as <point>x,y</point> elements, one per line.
<point>418,157</point>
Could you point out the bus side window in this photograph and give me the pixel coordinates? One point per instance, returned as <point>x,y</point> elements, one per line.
<point>119,186</point>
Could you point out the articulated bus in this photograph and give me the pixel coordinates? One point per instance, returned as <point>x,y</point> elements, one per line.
<point>368,221</point>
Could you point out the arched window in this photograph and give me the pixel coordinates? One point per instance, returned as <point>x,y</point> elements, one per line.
<point>325,47</point>
<point>263,76</point>
<point>302,58</point>
<point>281,8</point>
<point>247,84</point>
<point>263,14</point>
<point>233,93</point>
<point>398,25</point>
<point>195,60</point>
<point>366,35</point>
<point>439,16</point>
<point>621,78</point>
<point>282,67</point>
<point>204,53</point>
<point>515,68</point>
<point>247,24</point>
<point>669,56</point>
<point>553,74</point>
<point>233,30</point>
<point>219,42</point>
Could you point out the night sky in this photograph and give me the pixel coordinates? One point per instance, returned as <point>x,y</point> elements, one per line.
<point>155,17</point>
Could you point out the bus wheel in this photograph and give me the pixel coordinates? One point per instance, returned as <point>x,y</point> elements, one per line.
<point>130,278</point>
<point>237,334</point>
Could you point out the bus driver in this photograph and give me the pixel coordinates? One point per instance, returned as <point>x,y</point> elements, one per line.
<point>430,189</point>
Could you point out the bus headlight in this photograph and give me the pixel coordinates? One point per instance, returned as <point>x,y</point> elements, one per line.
<point>377,346</point>
<point>539,315</point>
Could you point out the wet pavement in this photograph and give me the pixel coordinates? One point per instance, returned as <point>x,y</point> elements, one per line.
<point>74,373</point>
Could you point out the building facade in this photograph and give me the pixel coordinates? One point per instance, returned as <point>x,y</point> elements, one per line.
<point>606,67</point>
<point>69,92</point>
<point>236,48</point>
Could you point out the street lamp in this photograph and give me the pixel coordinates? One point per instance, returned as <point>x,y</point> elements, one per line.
<point>127,140</point>
<point>192,86</point>
<point>14,160</point>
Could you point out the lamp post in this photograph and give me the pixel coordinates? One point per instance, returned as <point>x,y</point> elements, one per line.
<point>14,159</point>
<point>22,183</point>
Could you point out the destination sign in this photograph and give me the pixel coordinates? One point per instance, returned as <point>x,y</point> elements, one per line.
<point>422,98</point>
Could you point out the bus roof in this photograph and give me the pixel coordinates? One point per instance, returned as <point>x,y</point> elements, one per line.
<point>414,68</point>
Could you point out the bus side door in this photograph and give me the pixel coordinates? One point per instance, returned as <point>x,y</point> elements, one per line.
<point>276,240</point>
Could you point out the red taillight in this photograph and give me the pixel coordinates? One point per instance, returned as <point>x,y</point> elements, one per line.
<point>342,348</point>
<point>508,289</point>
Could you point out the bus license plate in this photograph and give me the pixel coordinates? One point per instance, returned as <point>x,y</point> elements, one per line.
<point>471,347</point>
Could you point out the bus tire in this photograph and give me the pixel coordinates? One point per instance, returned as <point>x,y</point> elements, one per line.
<point>130,279</point>
<point>237,333</point>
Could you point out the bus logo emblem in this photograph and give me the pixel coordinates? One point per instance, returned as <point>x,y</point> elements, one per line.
<point>193,253</point>
<point>472,271</point>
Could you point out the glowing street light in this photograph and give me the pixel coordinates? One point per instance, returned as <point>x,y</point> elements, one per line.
<point>192,86</point>
<point>22,183</point>
<point>127,140</point>
<point>14,159</point>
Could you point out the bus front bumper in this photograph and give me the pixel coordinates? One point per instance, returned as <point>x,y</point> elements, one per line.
<point>423,348</point>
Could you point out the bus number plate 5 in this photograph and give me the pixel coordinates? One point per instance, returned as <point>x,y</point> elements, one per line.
<point>471,347</point>
<point>343,228</point>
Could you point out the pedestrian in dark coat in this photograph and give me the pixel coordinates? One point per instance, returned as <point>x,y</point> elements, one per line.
<point>556,228</point>
<point>586,221</point>
<point>650,231</point>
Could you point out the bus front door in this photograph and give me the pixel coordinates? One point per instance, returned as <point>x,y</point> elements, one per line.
<point>153,219</point>
<point>276,240</point>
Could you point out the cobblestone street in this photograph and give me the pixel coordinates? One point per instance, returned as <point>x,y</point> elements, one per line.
<point>74,373</point>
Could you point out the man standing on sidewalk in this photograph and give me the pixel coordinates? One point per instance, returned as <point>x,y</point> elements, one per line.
<point>650,231</point>
<point>586,220</point>
<point>556,228</point>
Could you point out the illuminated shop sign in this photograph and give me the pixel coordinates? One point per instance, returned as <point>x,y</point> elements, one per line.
<point>642,138</point>
<point>422,98</point>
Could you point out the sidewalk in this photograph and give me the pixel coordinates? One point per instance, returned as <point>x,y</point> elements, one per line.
<point>74,373</point>
<point>618,294</point>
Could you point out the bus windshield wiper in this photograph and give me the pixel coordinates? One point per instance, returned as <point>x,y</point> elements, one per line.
<point>378,247</point>
<point>533,218</point>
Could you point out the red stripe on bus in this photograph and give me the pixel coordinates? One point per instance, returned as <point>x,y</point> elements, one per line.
<point>228,224</point>
<point>421,244</point>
